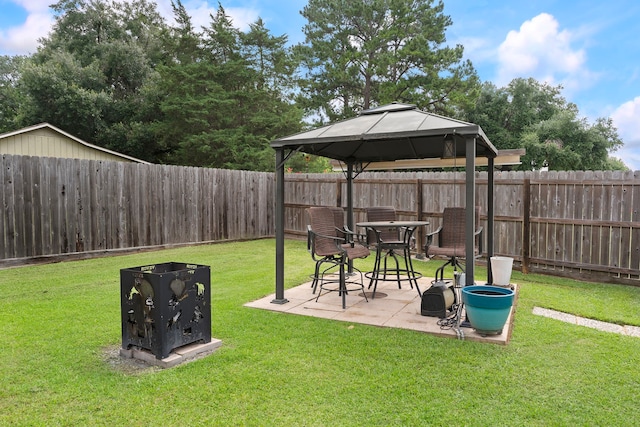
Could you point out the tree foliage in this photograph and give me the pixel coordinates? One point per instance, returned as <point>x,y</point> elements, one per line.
<point>115,73</point>
<point>226,101</point>
<point>534,116</point>
<point>11,97</point>
<point>89,76</point>
<point>360,54</point>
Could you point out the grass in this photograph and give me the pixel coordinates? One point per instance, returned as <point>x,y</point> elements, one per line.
<point>61,322</point>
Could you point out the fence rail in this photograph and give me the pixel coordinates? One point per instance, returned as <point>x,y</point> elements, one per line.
<point>583,224</point>
<point>577,224</point>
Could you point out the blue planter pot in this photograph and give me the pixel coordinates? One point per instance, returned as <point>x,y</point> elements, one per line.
<point>487,307</point>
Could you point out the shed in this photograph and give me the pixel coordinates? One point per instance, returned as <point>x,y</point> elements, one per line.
<point>46,140</point>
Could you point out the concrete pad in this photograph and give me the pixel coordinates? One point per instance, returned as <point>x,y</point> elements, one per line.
<point>392,308</point>
<point>387,304</point>
<point>602,326</point>
<point>365,315</point>
<point>628,330</point>
<point>558,315</point>
<point>632,331</point>
<point>319,310</point>
<point>177,356</point>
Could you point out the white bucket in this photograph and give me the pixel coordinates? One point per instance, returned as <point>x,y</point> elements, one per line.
<point>501,270</point>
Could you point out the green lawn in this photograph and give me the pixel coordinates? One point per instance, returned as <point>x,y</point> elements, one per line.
<point>61,328</point>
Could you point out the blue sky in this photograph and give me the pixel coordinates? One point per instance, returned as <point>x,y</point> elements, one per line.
<point>589,47</point>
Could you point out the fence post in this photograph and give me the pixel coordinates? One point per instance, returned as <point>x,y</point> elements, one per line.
<point>420,213</point>
<point>526,224</point>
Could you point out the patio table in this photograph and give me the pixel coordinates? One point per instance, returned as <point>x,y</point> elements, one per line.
<point>407,228</point>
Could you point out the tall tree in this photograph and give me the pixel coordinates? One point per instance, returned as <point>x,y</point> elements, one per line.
<point>11,97</point>
<point>565,142</point>
<point>359,54</point>
<point>184,40</point>
<point>268,56</point>
<point>533,115</point>
<point>65,93</point>
<point>222,109</point>
<point>504,113</point>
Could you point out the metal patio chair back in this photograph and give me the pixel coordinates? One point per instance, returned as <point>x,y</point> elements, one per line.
<point>451,240</point>
<point>386,236</point>
<point>329,244</point>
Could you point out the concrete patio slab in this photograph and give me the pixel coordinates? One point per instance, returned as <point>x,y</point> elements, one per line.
<point>391,308</point>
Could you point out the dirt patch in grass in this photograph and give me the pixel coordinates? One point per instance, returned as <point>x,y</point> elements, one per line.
<point>126,365</point>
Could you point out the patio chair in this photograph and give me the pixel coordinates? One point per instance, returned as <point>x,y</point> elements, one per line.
<point>332,245</point>
<point>391,243</point>
<point>342,232</point>
<point>451,239</point>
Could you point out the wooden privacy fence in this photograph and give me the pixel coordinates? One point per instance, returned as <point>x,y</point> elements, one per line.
<point>583,224</point>
<point>577,224</point>
<point>57,206</point>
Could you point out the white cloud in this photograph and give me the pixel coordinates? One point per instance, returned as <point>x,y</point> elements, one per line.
<point>539,49</point>
<point>33,5</point>
<point>200,11</point>
<point>626,118</point>
<point>477,49</point>
<point>242,17</point>
<point>23,39</point>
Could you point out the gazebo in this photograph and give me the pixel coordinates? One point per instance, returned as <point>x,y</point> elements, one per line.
<point>389,133</point>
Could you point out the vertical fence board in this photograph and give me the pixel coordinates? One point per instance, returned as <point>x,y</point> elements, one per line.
<point>30,206</point>
<point>635,217</point>
<point>565,201</point>
<point>578,233</point>
<point>55,199</point>
<point>83,239</point>
<point>45,205</point>
<point>4,218</point>
<point>132,201</point>
<point>534,250</point>
<point>95,205</point>
<point>587,230</point>
<point>544,226</point>
<point>19,201</point>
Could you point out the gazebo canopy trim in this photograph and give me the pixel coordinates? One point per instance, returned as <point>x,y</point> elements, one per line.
<point>388,133</point>
<point>505,158</point>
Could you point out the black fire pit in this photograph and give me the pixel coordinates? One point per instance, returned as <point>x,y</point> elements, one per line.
<point>165,306</point>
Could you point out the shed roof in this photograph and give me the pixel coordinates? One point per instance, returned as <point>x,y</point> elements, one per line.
<point>52,129</point>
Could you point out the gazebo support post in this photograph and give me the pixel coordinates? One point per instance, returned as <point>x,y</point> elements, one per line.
<point>350,223</point>
<point>280,158</point>
<point>350,196</point>
<point>470,212</point>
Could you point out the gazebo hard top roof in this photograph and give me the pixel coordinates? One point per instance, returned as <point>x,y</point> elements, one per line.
<point>387,133</point>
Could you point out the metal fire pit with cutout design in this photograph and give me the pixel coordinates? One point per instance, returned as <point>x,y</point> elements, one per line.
<point>165,306</point>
